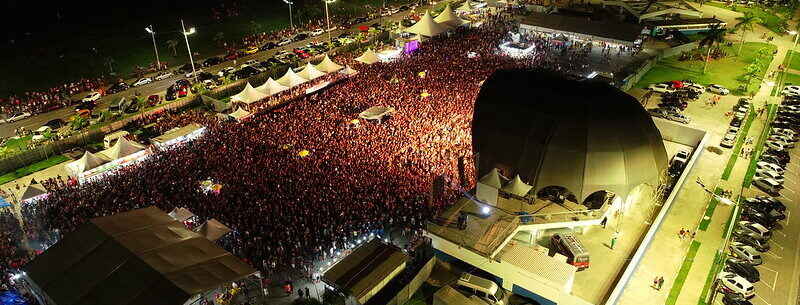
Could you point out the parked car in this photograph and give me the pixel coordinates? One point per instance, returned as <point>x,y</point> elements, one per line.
<point>55,123</point>
<point>142,81</point>
<point>486,290</point>
<point>16,117</point>
<point>736,122</point>
<point>285,41</point>
<point>317,32</point>
<point>743,269</point>
<point>212,61</point>
<point>268,46</point>
<point>661,88</point>
<point>251,50</point>
<point>734,284</point>
<point>299,37</point>
<point>153,100</point>
<point>718,89</point>
<point>760,218</point>
<point>746,253</point>
<point>226,71</point>
<point>754,227</point>
<point>734,300</point>
<point>759,244</point>
<point>770,174</point>
<point>231,56</point>
<point>728,140</point>
<point>164,75</point>
<point>116,88</point>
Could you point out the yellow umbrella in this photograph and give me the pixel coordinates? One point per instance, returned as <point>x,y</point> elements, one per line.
<point>422,74</point>
<point>303,153</point>
<point>285,146</point>
<point>354,121</point>
<point>425,94</point>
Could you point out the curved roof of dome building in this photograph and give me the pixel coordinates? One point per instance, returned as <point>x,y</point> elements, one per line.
<point>585,136</point>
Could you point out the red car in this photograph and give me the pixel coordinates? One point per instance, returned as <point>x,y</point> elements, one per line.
<point>153,100</point>
<point>304,55</point>
<point>231,56</point>
<point>298,51</point>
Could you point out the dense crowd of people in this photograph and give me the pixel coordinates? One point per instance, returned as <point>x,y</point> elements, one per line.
<point>289,210</point>
<point>46,100</point>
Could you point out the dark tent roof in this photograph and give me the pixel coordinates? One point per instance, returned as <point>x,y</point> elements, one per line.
<point>137,257</point>
<point>581,25</point>
<point>368,266</point>
<point>585,136</point>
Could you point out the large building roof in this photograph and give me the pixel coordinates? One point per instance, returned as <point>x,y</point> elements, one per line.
<point>137,257</point>
<point>584,136</point>
<point>366,270</point>
<point>614,31</point>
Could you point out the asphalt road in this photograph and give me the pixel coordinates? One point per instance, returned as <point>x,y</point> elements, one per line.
<point>781,268</point>
<point>160,87</point>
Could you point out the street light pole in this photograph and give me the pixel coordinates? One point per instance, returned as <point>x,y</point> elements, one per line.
<point>150,30</point>
<point>186,37</point>
<point>328,19</point>
<point>291,23</point>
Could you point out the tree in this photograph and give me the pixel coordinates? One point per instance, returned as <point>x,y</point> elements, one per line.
<point>746,23</point>
<point>711,38</point>
<point>752,71</point>
<point>173,44</point>
<point>219,38</point>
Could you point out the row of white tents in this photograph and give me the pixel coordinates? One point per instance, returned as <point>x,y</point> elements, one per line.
<point>89,161</point>
<point>428,26</point>
<point>291,79</point>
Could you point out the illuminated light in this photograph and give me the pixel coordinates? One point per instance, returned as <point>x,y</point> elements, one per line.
<point>485,210</point>
<point>329,263</point>
<point>516,49</point>
<point>591,75</point>
<point>792,32</point>
<point>371,234</point>
<point>190,31</point>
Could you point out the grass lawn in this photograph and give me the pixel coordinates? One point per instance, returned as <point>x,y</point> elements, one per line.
<point>683,273</point>
<point>712,205</point>
<point>726,71</point>
<point>716,267</point>
<point>30,169</point>
<point>772,109</point>
<point>14,146</point>
<point>795,64</point>
<point>770,18</point>
<point>70,52</point>
<point>738,147</point>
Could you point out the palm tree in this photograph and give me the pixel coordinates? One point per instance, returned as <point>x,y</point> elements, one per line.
<point>711,38</point>
<point>219,38</point>
<point>173,44</point>
<point>746,23</point>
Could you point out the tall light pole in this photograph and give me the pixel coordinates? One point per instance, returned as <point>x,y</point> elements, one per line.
<point>150,30</point>
<point>328,18</point>
<point>186,37</point>
<point>291,23</point>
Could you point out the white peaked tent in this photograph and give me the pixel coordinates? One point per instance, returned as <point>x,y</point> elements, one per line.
<point>122,148</point>
<point>369,57</point>
<point>449,18</point>
<point>492,179</point>
<point>239,114</point>
<point>466,7</point>
<point>249,95</point>
<point>348,71</point>
<point>426,26</point>
<point>33,190</point>
<point>517,187</point>
<point>271,87</point>
<point>85,163</point>
<point>181,214</point>
<point>213,229</point>
<point>290,79</point>
<point>309,72</point>
<point>327,65</point>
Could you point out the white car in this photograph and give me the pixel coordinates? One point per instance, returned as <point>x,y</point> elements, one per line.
<point>782,142</point>
<point>784,138</point>
<point>251,62</point>
<point>16,117</point>
<point>226,71</point>
<point>661,88</point>
<point>718,89</point>
<point>696,87</point>
<point>732,283</point>
<point>728,140</point>
<point>770,166</point>
<point>785,131</point>
<point>795,90</point>
<point>765,173</point>
<point>92,97</point>
<point>682,156</point>
<point>197,72</point>
<point>285,41</point>
<point>775,145</point>
<point>38,134</point>
<point>164,75</point>
<point>142,81</point>
<point>317,32</point>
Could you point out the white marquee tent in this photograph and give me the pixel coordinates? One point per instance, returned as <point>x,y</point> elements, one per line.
<point>449,18</point>
<point>290,79</point>
<point>122,148</point>
<point>369,57</point>
<point>34,190</point>
<point>85,163</point>
<point>466,7</point>
<point>327,65</point>
<point>427,27</point>
<point>309,72</point>
<point>348,71</point>
<point>240,114</point>
<point>271,87</point>
<point>517,187</point>
<point>249,95</point>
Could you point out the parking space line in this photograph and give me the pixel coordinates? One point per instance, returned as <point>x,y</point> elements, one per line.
<point>762,299</point>
<point>788,214</point>
<point>777,244</point>
<point>774,280</point>
<point>773,254</point>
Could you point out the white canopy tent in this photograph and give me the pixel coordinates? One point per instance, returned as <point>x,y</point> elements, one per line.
<point>348,71</point>
<point>310,72</point>
<point>291,79</point>
<point>34,190</point>
<point>327,65</point>
<point>240,114</point>
<point>249,95</point>
<point>449,18</point>
<point>493,179</point>
<point>369,57</point>
<point>271,87</point>
<point>427,27</point>
<point>517,187</point>
<point>466,7</point>
<point>85,163</point>
<point>122,148</point>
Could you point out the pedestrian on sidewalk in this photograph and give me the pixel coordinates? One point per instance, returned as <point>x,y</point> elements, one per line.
<point>693,233</point>
<point>308,295</point>
<point>613,241</point>
<point>681,233</point>
<point>660,282</point>
<point>655,283</point>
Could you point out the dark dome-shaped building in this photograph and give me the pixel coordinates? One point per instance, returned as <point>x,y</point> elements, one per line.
<point>553,132</point>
